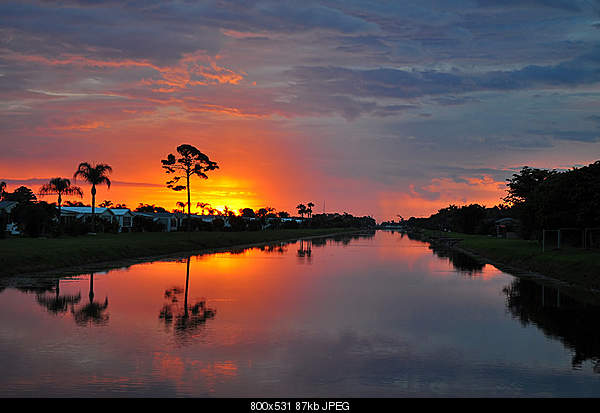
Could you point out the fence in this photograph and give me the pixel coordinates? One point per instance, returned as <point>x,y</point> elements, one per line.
<point>575,237</point>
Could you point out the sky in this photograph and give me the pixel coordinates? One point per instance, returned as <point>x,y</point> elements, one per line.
<point>379,108</point>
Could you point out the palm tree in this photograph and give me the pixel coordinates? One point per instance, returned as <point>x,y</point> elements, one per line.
<point>309,209</point>
<point>94,175</point>
<point>60,187</point>
<point>181,205</point>
<point>105,204</point>
<point>203,206</point>
<point>301,209</point>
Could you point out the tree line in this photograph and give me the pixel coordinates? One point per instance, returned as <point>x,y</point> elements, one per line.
<point>537,198</point>
<point>38,217</point>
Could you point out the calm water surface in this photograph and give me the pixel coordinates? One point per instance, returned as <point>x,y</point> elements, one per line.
<point>376,315</point>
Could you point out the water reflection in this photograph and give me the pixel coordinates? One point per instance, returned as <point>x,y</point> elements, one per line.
<point>305,250</point>
<point>93,312</point>
<point>56,303</point>
<point>371,317</point>
<point>345,239</point>
<point>184,320</point>
<point>462,262</point>
<point>559,316</point>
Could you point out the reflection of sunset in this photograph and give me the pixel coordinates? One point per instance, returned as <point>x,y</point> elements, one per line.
<point>180,371</point>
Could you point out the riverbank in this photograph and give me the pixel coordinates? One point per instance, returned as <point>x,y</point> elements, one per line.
<point>33,255</point>
<point>574,266</point>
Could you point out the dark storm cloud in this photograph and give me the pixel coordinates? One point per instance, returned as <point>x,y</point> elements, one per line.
<point>396,83</point>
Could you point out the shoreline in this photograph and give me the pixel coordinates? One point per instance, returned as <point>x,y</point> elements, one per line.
<point>523,266</point>
<point>194,247</point>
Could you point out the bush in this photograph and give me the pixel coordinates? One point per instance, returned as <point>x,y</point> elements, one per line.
<point>77,227</point>
<point>3,224</point>
<point>218,224</point>
<point>254,225</point>
<point>237,223</point>
<point>146,224</point>
<point>35,218</point>
<point>290,225</point>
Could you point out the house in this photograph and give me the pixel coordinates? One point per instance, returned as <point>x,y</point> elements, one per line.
<point>7,206</point>
<point>169,221</point>
<point>122,216</point>
<point>507,228</point>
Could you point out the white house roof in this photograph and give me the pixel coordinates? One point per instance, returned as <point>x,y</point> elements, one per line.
<point>85,210</point>
<point>8,205</point>
<point>121,211</point>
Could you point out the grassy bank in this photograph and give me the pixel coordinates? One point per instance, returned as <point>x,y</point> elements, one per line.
<point>572,265</point>
<point>29,255</point>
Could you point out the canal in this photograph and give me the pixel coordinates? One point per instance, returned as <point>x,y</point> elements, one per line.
<point>369,315</point>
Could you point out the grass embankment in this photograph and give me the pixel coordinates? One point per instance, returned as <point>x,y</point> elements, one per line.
<point>30,255</point>
<point>572,265</point>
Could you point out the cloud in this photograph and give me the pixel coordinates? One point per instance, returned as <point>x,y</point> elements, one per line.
<point>403,84</point>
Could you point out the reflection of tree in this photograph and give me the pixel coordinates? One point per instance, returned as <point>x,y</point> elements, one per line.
<point>345,239</point>
<point>188,318</point>
<point>56,303</point>
<point>279,248</point>
<point>461,261</point>
<point>305,249</point>
<point>559,316</point>
<point>93,312</point>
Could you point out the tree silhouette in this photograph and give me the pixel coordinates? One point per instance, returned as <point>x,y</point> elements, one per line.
<point>309,209</point>
<point>265,212</point>
<point>2,190</point>
<point>75,204</point>
<point>181,205</point>
<point>22,195</point>
<point>94,175</point>
<point>105,204</point>
<point>227,212</point>
<point>149,208</point>
<point>247,212</point>
<point>301,209</point>
<point>191,162</point>
<point>60,187</point>
<point>203,206</point>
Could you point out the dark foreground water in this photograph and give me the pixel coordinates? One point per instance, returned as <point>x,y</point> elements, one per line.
<point>377,315</point>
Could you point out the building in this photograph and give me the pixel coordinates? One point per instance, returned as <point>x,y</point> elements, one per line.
<point>169,221</point>
<point>122,216</point>
<point>6,207</point>
<point>507,228</point>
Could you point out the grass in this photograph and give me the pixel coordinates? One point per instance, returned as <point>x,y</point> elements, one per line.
<point>30,255</point>
<point>573,265</point>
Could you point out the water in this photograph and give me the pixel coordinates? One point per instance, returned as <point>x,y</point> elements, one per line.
<point>371,316</point>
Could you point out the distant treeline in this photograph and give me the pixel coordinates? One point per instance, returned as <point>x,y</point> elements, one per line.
<point>467,219</point>
<point>38,218</point>
<point>538,198</point>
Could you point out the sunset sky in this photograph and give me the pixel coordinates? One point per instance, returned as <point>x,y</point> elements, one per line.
<point>373,107</point>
